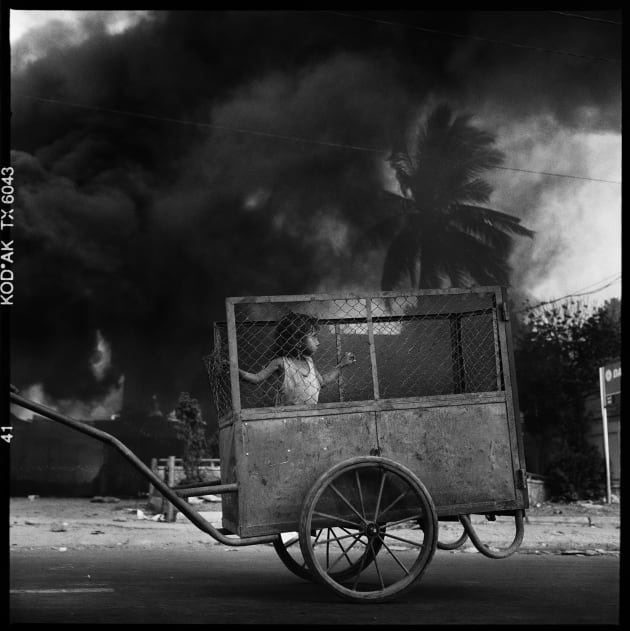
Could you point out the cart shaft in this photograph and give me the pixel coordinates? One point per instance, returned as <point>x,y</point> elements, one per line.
<point>171,495</point>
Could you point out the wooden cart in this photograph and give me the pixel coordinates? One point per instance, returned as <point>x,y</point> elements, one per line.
<point>423,428</point>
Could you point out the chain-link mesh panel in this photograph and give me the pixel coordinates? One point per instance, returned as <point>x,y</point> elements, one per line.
<point>278,329</point>
<point>436,344</point>
<point>403,346</point>
<point>217,367</point>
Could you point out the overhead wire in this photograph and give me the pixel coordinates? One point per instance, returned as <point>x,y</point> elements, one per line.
<point>575,294</point>
<point>575,177</point>
<point>475,37</point>
<point>291,138</point>
<point>590,18</point>
<point>603,280</point>
<point>343,145</point>
<point>200,124</point>
<point>595,291</point>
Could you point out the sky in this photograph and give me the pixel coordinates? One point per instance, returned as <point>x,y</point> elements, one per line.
<point>167,160</point>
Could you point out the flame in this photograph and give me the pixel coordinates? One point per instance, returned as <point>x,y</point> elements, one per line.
<point>101,359</point>
<point>34,392</point>
<point>101,408</point>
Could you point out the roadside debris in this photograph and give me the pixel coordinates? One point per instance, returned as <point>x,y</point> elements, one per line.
<point>140,514</point>
<point>105,499</point>
<point>59,527</point>
<point>211,498</point>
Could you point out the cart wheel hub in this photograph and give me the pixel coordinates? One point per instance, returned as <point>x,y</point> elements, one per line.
<point>372,530</point>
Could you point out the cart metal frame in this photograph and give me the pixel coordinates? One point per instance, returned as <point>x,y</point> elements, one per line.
<point>453,455</point>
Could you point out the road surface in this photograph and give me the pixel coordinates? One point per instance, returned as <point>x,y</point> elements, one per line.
<point>216,584</point>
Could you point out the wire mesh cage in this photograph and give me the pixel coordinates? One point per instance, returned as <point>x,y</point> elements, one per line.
<point>408,345</point>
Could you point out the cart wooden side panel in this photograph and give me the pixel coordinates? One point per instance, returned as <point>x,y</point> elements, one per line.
<point>229,501</point>
<point>282,457</point>
<point>461,447</point>
<point>464,454</point>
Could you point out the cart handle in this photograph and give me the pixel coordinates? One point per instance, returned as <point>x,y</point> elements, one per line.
<point>180,504</point>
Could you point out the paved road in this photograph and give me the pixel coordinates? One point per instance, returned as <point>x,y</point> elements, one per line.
<point>221,585</point>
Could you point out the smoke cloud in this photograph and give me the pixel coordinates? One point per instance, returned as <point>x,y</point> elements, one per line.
<point>183,157</point>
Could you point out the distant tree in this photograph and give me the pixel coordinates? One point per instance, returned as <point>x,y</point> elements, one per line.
<point>439,227</point>
<point>600,340</point>
<point>191,428</point>
<point>558,352</point>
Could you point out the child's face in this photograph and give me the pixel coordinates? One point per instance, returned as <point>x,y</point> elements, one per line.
<point>311,343</point>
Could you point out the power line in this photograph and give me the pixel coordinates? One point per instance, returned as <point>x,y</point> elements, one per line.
<point>572,295</point>
<point>575,177</point>
<point>603,280</point>
<point>199,124</point>
<point>595,291</point>
<point>586,17</point>
<point>296,139</point>
<point>475,37</point>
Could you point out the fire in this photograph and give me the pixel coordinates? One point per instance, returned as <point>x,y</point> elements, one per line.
<point>101,408</point>
<point>101,359</point>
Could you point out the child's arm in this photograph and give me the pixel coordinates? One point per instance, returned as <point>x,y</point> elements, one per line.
<point>333,375</point>
<point>265,373</point>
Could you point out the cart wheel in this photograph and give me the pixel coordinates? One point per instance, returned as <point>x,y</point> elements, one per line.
<point>453,545</point>
<point>496,553</point>
<point>287,546</point>
<point>364,506</point>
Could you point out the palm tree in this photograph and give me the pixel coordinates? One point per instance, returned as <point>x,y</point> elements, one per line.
<point>439,229</point>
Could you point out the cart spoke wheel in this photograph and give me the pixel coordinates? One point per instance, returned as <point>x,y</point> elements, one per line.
<point>287,547</point>
<point>378,529</point>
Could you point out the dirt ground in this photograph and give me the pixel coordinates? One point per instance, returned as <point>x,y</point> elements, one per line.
<point>575,509</point>
<point>63,523</point>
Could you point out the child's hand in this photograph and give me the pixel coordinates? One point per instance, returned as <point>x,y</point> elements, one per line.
<point>348,359</point>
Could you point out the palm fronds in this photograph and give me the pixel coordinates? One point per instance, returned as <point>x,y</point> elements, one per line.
<point>440,225</point>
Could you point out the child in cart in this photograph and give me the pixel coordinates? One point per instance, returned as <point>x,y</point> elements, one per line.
<point>296,343</point>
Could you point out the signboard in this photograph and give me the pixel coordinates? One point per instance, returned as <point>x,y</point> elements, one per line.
<point>609,384</point>
<point>612,404</point>
<point>612,378</point>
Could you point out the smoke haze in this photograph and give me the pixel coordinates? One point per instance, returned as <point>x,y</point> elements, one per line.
<point>172,160</point>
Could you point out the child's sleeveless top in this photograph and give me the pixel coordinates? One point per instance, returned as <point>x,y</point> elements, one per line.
<point>297,388</point>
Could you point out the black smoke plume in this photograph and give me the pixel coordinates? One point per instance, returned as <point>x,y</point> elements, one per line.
<point>200,155</point>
